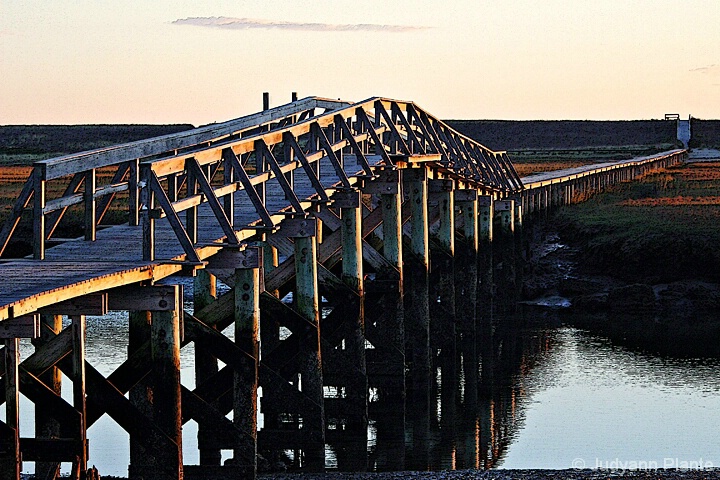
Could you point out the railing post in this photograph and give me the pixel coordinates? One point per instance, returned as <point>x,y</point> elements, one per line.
<point>229,200</point>
<point>38,212</point>
<point>134,193</point>
<point>148,201</point>
<point>89,198</point>
<point>191,216</point>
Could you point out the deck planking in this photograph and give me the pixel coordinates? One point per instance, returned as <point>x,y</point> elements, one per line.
<point>77,267</point>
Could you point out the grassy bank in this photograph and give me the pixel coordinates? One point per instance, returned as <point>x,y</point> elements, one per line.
<point>661,228</point>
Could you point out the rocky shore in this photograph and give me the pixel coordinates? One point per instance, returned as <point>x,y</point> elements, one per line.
<point>677,317</point>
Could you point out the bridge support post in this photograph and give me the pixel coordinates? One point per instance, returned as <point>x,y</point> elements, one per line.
<point>467,292</point>
<point>247,323</point>
<point>417,325</point>
<point>507,242</point>
<point>141,394</point>
<point>505,210</point>
<point>10,457</point>
<point>386,362</point>
<point>307,304</point>
<point>78,381</point>
<point>165,375</point>
<point>206,365</point>
<point>486,289</point>
<point>443,307</point>
<point>344,357</point>
<point>46,426</point>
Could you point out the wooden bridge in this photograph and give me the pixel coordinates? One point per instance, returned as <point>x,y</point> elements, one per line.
<point>322,218</point>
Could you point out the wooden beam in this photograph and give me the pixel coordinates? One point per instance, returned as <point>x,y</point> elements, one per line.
<point>156,298</point>
<point>92,304</point>
<point>52,450</point>
<point>27,326</point>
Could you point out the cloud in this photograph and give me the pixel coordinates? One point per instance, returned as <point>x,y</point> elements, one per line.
<point>714,68</point>
<point>251,23</point>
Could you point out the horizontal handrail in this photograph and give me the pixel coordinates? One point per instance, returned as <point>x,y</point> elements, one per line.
<point>102,157</point>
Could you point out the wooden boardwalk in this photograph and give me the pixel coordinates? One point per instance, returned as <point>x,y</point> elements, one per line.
<point>341,204</point>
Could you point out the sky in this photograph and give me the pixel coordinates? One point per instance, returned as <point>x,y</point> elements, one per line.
<point>201,61</point>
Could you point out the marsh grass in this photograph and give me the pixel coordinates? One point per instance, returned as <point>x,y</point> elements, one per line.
<point>529,161</point>
<point>663,226</point>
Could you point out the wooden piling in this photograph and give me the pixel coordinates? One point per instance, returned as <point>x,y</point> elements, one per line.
<point>165,375</point>
<point>386,362</point>
<point>10,459</point>
<point>247,337</point>
<point>443,307</point>
<point>417,324</point>
<point>79,466</point>
<point>206,365</point>
<point>46,426</point>
<point>467,292</point>
<point>352,276</point>
<point>141,394</point>
<point>311,378</point>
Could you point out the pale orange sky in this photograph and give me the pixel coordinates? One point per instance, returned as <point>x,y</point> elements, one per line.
<point>201,61</point>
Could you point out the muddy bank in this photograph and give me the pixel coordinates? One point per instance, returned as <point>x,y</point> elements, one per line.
<point>677,316</point>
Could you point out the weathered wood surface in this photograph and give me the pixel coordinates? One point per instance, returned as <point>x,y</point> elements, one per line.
<point>77,268</point>
<point>557,176</point>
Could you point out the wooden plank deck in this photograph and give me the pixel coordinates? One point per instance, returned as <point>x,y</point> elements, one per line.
<point>555,176</point>
<point>79,267</point>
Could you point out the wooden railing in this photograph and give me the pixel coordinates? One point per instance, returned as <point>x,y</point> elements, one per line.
<point>167,175</point>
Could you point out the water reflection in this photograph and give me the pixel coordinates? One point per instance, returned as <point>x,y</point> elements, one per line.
<point>552,394</point>
<point>546,394</point>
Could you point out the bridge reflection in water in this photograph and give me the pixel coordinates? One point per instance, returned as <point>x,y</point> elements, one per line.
<point>458,433</point>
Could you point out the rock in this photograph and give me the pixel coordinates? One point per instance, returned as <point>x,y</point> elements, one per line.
<point>586,285</point>
<point>597,302</point>
<point>635,299</point>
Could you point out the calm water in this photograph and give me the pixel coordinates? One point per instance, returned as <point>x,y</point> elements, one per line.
<point>559,398</point>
